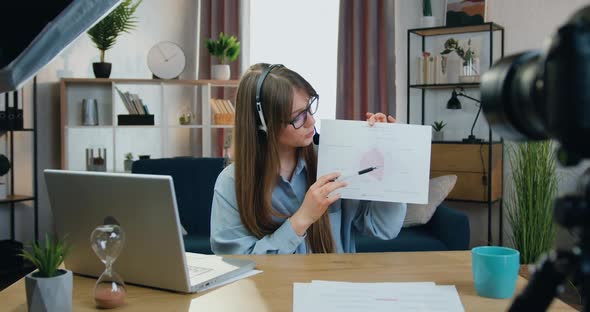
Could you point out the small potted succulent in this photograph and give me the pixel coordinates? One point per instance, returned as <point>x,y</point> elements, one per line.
<point>128,163</point>
<point>104,33</point>
<point>226,49</point>
<point>438,134</point>
<point>49,288</point>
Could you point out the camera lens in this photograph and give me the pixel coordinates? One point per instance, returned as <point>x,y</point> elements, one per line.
<point>512,98</point>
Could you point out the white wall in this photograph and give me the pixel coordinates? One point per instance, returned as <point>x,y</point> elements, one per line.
<point>527,24</point>
<point>302,35</point>
<point>172,20</point>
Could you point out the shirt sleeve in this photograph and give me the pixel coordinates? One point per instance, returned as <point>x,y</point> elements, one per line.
<point>381,220</point>
<point>230,236</point>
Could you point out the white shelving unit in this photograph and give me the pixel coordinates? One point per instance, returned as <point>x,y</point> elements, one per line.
<point>164,99</point>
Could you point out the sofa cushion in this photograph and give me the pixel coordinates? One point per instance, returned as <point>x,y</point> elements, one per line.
<point>438,189</point>
<point>417,238</point>
<point>197,243</point>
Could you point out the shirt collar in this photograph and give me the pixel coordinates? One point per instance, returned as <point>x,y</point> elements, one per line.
<point>300,166</point>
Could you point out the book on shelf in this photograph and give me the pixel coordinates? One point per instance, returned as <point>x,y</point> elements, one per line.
<point>132,103</point>
<point>223,111</point>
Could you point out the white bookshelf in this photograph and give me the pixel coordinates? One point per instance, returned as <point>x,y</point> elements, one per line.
<point>164,99</point>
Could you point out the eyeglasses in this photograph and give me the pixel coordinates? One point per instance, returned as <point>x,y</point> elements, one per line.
<point>311,108</point>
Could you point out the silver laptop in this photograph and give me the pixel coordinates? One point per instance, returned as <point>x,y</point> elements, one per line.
<point>145,207</point>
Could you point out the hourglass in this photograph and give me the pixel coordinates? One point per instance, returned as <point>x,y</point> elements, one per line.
<point>107,242</point>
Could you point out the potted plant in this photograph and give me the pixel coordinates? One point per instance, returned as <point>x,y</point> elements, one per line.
<point>104,33</point>
<point>438,134</point>
<point>469,71</point>
<point>128,163</point>
<point>226,49</point>
<point>49,288</point>
<point>4,168</point>
<point>427,19</point>
<point>530,204</point>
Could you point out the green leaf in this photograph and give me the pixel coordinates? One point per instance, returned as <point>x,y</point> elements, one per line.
<point>104,33</point>
<point>530,205</point>
<point>224,47</point>
<point>47,256</point>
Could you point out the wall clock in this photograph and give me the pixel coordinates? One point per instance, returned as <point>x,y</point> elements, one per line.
<point>166,60</point>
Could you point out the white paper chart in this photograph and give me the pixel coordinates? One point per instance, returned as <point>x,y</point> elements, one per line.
<point>400,152</point>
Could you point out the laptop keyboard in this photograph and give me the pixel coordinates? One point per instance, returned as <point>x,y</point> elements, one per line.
<point>195,271</point>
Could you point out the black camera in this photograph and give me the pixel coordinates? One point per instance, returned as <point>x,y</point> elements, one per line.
<point>537,95</point>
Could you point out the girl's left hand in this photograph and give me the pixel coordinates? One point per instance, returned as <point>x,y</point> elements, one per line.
<point>379,117</point>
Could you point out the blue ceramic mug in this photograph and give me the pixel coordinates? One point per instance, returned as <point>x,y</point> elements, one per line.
<point>495,270</point>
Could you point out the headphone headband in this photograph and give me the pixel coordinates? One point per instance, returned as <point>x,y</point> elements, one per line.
<point>259,95</point>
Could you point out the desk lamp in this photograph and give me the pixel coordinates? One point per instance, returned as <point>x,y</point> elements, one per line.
<point>454,103</point>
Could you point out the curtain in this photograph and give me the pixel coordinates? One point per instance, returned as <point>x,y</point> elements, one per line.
<point>366,59</point>
<point>217,16</point>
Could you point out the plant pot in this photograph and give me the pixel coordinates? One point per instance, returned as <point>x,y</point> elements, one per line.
<point>49,293</point>
<point>220,72</point>
<point>127,164</point>
<point>3,190</point>
<point>438,136</point>
<point>428,21</point>
<point>101,69</point>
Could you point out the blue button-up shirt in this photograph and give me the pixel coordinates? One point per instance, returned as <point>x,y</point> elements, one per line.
<point>382,220</point>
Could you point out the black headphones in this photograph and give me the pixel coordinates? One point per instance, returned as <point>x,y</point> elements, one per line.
<point>259,95</point>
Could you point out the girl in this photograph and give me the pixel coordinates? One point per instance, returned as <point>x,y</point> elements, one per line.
<point>269,201</point>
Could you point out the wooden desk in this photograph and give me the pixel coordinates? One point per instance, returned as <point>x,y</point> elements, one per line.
<point>272,290</point>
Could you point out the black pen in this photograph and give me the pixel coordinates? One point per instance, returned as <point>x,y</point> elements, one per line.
<point>360,172</point>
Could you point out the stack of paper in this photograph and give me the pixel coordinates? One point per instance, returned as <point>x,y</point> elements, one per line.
<point>344,296</point>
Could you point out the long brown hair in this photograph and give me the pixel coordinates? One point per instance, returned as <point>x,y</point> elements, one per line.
<point>256,153</point>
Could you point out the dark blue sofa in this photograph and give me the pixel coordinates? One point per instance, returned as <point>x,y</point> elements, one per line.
<point>194,179</point>
<point>448,229</point>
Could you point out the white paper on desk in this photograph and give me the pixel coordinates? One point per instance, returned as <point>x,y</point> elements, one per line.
<point>341,296</point>
<point>301,290</point>
<point>401,153</point>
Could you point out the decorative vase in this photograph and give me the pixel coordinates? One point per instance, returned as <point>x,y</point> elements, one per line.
<point>428,21</point>
<point>127,164</point>
<point>89,112</point>
<point>469,71</point>
<point>220,72</point>
<point>101,69</point>
<point>453,68</point>
<point>185,115</point>
<point>438,136</point>
<point>49,293</point>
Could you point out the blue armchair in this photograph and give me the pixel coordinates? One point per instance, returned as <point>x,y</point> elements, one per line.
<point>448,229</point>
<point>194,179</point>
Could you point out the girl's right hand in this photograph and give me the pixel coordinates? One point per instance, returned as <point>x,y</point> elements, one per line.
<point>317,200</point>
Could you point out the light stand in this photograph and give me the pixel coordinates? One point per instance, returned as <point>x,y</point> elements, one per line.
<point>454,103</point>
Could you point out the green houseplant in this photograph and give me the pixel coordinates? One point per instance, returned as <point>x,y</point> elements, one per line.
<point>438,134</point>
<point>469,71</point>
<point>530,206</point>
<point>49,288</point>
<point>226,49</point>
<point>104,33</point>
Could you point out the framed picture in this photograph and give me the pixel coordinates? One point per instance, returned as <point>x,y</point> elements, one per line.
<point>465,12</point>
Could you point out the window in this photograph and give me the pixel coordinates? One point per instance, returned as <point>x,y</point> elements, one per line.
<point>302,35</point>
